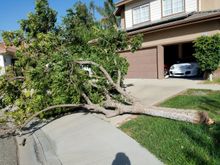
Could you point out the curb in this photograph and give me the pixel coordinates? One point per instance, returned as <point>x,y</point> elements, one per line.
<point>38,150</point>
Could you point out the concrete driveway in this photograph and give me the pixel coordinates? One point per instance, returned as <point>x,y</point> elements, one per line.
<point>152,91</point>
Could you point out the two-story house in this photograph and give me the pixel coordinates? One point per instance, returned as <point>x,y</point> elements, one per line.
<point>169,28</point>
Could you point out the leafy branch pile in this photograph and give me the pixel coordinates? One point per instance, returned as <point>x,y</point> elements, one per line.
<point>73,65</point>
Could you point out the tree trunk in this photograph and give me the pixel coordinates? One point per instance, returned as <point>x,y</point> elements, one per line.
<point>208,76</point>
<point>191,116</point>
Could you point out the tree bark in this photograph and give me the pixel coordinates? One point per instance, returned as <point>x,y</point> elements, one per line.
<point>211,77</point>
<point>191,116</point>
<point>117,87</point>
<point>208,76</point>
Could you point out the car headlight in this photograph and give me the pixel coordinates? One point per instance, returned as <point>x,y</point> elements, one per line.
<point>172,67</point>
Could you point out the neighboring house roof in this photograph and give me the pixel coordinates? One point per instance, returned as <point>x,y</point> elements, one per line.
<point>11,50</point>
<point>176,21</point>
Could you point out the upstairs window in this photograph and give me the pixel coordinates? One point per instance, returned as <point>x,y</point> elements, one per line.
<point>141,14</point>
<point>172,7</point>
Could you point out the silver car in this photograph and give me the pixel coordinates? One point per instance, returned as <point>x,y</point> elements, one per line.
<point>184,70</point>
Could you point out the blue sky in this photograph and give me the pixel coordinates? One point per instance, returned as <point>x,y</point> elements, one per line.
<point>11,11</point>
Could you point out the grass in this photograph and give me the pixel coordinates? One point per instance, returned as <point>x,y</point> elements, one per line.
<point>215,81</point>
<point>204,100</point>
<point>180,143</point>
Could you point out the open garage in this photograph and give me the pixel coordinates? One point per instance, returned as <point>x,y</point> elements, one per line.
<point>179,60</point>
<point>178,52</point>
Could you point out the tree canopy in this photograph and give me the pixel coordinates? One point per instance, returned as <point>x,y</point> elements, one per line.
<point>47,71</point>
<point>41,21</point>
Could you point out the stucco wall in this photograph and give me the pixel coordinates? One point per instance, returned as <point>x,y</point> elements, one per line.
<point>181,34</point>
<point>209,4</point>
<point>191,5</point>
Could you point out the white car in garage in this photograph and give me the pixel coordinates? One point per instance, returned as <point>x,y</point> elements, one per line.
<point>184,70</point>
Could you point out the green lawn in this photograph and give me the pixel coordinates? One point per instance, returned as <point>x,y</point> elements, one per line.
<point>180,143</point>
<point>215,81</point>
<point>205,100</point>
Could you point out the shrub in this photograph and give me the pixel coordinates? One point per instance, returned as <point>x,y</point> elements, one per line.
<point>207,53</point>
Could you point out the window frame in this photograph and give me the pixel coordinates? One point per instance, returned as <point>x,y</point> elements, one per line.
<point>139,6</point>
<point>162,9</point>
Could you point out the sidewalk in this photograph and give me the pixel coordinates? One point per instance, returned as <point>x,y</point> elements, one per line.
<point>8,151</point>
<point>83,139</point>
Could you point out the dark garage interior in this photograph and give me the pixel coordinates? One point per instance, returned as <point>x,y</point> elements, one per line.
<point>178,53</point>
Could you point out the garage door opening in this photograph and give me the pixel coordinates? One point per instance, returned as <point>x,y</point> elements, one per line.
<point>182,55</point>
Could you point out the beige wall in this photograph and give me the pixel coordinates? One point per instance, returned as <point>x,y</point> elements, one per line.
<point>181,34</point>
<point>210,5</point>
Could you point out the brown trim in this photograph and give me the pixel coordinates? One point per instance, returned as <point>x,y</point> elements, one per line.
<point>160,62</point>
<point>176,24</point>
<point>184,9</point>
<point>133,25</point>
<point>121,3</point>
<point>125,26</point>
<point>122,18</point>
<point>157,61</point>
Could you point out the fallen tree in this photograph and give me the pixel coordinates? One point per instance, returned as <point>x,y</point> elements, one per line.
<point>58,69</point>
<point>112,108</point>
